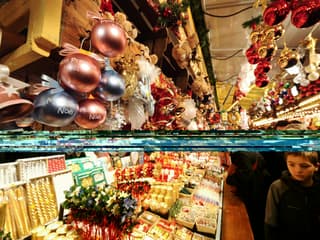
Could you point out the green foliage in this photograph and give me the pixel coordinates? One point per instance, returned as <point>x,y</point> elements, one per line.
<point>253,21</point>
<point>170,13</point>
<point>5,236</point>
<point>93,204</point>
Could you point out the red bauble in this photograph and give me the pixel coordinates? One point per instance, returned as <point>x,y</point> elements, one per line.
<point>79,73</point>
<point>262,81</point>
<point>252,54</point>
<point>109,38</point>
<point>276,12</point>
<point>262,68</point>
<point>91,114</point>
<point>305,13</point>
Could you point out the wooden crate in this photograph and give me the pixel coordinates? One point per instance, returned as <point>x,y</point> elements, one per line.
<point>31,29</point>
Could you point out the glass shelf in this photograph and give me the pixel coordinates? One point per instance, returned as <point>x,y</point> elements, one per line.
<point>217,140</point>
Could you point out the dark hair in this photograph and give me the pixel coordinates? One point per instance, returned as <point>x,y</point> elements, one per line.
<point>311,156</point>
<point>281,123</point>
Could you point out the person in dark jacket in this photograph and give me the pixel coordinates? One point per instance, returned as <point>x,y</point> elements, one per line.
<point>293,201</point>
<point>248,174</point>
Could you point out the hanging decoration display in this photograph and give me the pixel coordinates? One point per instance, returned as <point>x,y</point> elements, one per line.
<point>304,13</point>
<point>170,14</point>
<point>262,50</point>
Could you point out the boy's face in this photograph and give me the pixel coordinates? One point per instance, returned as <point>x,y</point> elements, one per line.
<point>300,168</point>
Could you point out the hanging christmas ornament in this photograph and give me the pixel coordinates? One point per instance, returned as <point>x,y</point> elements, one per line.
<point>54,107</point>
<point>288,58</point>
<point>136,113</point>
<point>252,54</point>
<point>267,50</point>
<point>262,68</point>
<point>12,106</point>
<point>91,114</point>
<point>79,73</point>
<point>109,38</point>
<point>273,33</point>
<point>262,81</point>
<point>111,86</point>
<point>276,12</point>
<point>257,33</point>
<point>313,68</point>
<point>131,81</point>
<point>305,13</point>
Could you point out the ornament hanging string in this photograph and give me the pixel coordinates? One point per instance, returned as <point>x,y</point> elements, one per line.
<point>69,49</point>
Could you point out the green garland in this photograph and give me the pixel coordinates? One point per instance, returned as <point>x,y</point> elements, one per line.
<point>253,21</point>
<point>202,31</point>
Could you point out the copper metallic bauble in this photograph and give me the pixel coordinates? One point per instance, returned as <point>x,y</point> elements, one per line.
<point>54,108</point>
<point>109,38</point>
<point>111,86</point>
<point>79,73</point>
<point>276,12</point>
<point>91,114</point>
<point>305,13</point>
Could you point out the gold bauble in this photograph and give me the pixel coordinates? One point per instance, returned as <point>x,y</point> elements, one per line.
<point>288,58</point>
<point>268,49</point>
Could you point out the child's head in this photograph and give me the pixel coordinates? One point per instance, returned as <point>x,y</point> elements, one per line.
<point>302,165</point>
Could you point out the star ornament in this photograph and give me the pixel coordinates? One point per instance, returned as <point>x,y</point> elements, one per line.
<point>10,90</point>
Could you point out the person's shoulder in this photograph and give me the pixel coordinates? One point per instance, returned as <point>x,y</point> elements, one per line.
<point>278,184</point>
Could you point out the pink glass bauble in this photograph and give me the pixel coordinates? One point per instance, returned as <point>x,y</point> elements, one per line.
<point>79,73</point>
<point>276,12</point>
<point>109,38</point>
<point>306,13</point>
<point>91,114</point>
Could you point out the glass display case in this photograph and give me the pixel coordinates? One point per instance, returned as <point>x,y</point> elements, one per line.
<point>216,140</point>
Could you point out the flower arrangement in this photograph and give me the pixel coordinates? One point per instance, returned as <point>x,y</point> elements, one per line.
<point>100,212</point>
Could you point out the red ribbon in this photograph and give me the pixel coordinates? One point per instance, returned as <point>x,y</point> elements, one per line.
<point>106,6</point>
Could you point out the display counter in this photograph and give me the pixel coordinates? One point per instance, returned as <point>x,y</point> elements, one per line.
<point>235,220</point>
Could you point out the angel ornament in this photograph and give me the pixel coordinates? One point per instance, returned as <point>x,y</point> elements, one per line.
<point>141,105</point>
